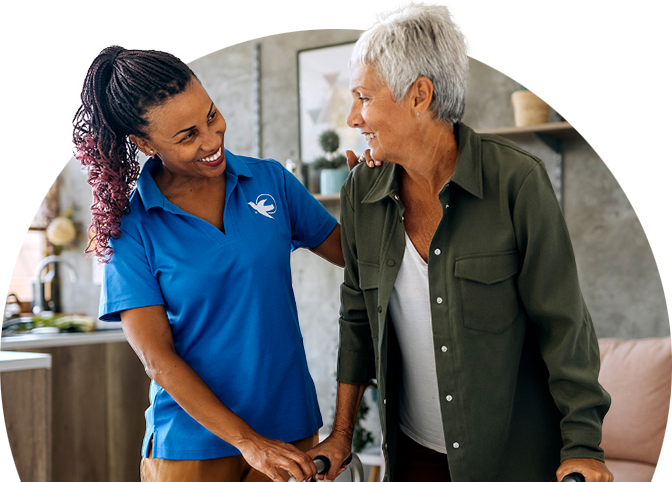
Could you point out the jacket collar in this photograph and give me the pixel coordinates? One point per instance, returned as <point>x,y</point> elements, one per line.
<point>468,169</point>
<point>151,195</point>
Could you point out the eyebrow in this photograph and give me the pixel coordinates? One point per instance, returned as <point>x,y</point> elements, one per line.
<point>212,106</point>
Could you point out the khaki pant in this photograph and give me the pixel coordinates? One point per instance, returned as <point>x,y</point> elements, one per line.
<point>225,469</point>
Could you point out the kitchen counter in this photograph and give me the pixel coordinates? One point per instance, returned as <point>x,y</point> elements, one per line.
<point>11,361</point>
<point>31,341</point>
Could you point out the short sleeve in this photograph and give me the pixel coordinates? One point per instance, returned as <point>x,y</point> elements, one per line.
<point>128,281</point>
<point>311,222</point>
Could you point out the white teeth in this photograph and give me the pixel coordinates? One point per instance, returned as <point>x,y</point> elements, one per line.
<point>369,136</point>
<point>214,157</point>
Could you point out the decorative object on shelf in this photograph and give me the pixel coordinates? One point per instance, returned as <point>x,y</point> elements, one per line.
<point>528,109</point>
<point>62,232</point>
<point>332,166</point>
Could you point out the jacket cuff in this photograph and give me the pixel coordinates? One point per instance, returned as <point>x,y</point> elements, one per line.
<point>581,445</point>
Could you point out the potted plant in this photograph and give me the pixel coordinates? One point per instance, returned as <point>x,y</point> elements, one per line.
<point>528,109</point>
<point>332,166</point>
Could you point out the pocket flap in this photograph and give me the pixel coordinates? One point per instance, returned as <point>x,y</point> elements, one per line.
<point>368,275</point>
<point>487,268</point>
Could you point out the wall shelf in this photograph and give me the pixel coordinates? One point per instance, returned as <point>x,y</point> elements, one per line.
<point>557,130</point>
<point>553,134</point>
<point>327,197</point>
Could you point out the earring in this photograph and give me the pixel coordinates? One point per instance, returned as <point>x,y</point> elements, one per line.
<point>417,114</point>
<point>151,151</point>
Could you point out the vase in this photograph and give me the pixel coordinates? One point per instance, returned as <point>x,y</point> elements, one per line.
<point>528,109</point>
<point>331,180</point>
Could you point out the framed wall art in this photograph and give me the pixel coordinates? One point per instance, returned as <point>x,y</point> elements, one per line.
<point>325,100</point>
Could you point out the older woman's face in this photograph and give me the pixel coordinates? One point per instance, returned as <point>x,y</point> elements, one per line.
<point>385,124</point>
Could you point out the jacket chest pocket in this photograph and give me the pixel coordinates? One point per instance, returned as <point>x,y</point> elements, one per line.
<point>488,288</point>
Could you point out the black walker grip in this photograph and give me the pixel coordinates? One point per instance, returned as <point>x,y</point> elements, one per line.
<point>323,463</point>
<point>573,478</point>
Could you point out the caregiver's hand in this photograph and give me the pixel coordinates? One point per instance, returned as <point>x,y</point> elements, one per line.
<point>268,455</point>
<point>353,160</point>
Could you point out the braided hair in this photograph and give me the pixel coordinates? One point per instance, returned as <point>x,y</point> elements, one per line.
<point>120,87</point>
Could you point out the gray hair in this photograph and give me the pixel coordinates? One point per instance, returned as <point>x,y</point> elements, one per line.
<point>418,40</point>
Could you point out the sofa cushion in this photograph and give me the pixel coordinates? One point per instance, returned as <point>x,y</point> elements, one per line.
<point>628,471</point>
<point>638,376</point>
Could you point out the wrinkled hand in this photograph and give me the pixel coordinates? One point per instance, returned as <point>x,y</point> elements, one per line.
<point>268,455</point>
<point>353,160</point>
<point>592,469</point>
<point>336,448</point>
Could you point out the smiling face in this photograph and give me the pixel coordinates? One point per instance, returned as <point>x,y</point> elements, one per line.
<point>385,124</point>
<point>187,133</point>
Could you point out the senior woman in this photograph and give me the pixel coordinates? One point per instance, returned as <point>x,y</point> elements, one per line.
<point>198,271</point>
<point>460,292</point>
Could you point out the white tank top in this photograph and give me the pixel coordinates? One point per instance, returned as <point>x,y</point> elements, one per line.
<point>419,406</point>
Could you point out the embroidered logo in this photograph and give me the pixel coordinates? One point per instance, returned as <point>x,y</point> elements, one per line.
<point>265,205</point>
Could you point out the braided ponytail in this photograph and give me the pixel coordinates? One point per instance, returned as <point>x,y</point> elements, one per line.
<point>120,87</point>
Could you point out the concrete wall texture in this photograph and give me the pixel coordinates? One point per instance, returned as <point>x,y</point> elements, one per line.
<point>618,273</point>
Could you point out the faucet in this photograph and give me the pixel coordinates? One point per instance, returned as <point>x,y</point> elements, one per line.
<point>39,301</point>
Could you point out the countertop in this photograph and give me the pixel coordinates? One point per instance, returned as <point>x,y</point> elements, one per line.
<point>14,361</point>
<point>28,341</point>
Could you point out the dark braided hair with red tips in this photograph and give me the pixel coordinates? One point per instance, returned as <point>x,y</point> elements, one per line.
<point>120,87</point>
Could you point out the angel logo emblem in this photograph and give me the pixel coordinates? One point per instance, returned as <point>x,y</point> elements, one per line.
<point>264,205</point>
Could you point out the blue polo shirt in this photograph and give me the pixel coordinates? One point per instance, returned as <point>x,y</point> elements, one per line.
<point>229,300</point>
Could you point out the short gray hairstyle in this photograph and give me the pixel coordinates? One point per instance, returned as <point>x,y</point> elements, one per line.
<point>418,40</point>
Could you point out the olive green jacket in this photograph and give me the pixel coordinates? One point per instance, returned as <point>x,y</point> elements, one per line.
<point>516,354</point>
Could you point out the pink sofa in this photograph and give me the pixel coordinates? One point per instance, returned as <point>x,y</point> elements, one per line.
<point>638,376</point>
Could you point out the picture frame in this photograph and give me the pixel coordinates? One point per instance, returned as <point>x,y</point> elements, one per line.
<point>325,100</point>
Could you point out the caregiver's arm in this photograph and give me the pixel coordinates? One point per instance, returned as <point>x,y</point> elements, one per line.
<point>148,332</point>
<point>330,249</point>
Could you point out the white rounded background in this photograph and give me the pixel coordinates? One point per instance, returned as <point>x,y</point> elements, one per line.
<point>604,65</point>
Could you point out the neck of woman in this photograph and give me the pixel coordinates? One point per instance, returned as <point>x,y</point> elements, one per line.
<point>431,159</point>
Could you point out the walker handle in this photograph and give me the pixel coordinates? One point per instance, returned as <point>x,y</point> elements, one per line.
<point>322,463</point>
<point>574,477</point>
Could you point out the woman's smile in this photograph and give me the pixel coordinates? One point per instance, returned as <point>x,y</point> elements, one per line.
<point>214,160</point>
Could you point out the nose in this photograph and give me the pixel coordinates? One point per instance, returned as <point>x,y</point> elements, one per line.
<point>214,137</point>
<point>354,119</point>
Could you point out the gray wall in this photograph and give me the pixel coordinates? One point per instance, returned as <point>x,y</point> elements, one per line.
<point>618,274</point>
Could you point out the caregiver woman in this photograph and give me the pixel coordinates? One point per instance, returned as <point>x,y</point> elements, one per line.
<point>198,271</point>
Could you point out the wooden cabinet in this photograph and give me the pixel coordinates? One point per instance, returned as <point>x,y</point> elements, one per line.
<point>26,401</point>
<point>99,395</point>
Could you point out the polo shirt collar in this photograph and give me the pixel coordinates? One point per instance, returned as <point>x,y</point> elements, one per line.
<point>151,195</point>
<point>468,169</point>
